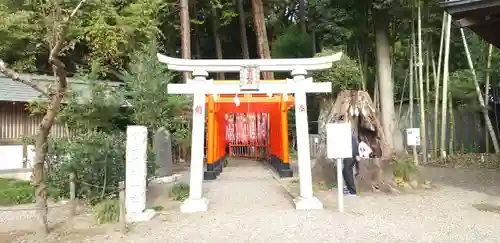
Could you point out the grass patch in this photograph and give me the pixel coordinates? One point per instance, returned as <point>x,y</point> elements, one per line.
<point>293,154</point>
<point>158,208</point>
<point>15,192</point>
<point>107,211</point>
<point>404,168</point>
<point>179,192</point>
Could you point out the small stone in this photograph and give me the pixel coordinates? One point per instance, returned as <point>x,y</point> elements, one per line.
<point>427,186</point>
<point>414,184</point>
<point>406,186</point>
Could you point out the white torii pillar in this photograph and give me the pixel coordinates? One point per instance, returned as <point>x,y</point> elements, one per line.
<point>200,86</point>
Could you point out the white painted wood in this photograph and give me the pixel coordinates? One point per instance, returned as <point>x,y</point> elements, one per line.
<point>235,65</point>
<point>338,140</point>
<point>264,88</point>
<point>306,199</point>
<point>413,136</point>
<point>196,202</point>
<point>340,186</point>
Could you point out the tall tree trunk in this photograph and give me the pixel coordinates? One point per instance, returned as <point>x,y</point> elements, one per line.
<point>197,46</point>
<point>302,16</point>
<point>487,93</point>
<point>261,33</point>
<point>484,110</point>
<point>442,143</point>
<point>393,136</point>
<point>243,30</point>
<point>185,33</point>
<point>186,50</point>
<point>218,44</point>
<point>423,137</point>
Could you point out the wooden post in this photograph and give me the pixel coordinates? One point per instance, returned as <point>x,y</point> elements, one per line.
<point>123,221</point>
<point>72,194</point>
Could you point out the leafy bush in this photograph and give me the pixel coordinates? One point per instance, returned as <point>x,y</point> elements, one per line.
<point>179,192</point>
<point>98,160</point>
<point>13,192</point>
<point>344,74</point>
<point>107,211</point>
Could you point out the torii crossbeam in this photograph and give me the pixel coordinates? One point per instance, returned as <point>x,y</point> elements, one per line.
<point>200,86</point>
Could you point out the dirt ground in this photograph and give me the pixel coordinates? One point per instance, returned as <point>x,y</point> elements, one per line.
<point>477,188</point>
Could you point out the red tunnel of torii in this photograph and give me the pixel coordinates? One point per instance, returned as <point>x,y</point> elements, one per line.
<point>264,134</point>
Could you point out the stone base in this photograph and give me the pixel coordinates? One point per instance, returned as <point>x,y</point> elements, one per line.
<point>167,179</point>
<point>310,203</point>
<point>147,215</point>
<point>286,173</point>
<point>215,169</point>
<point>210,175</point>
<point>283,169</point>
<point>194,205</point>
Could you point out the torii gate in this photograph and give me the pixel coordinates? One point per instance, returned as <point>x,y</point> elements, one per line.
<point>204,89</point>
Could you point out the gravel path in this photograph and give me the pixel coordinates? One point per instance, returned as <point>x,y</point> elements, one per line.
<point>248,205</point>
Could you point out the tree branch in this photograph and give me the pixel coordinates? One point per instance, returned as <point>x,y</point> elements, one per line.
<point>53,57</point>
<point>17,78</point>
<point>59,41</point>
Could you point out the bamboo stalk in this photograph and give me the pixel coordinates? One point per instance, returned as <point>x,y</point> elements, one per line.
<point>423,137</point>
<point>444,102</point>
<point>479,95</point>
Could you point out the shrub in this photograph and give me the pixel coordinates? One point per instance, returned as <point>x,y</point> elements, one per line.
<point>107,211</point>
<point>179,192</point>
<point>13,192</point>
<point>98,160</point>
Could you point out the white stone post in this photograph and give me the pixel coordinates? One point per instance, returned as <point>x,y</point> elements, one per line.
<point>196,202</point>
<point>306,200</point>
<point>135,175</point>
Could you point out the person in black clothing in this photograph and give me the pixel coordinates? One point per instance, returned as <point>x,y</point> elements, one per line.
<point>348,166</point>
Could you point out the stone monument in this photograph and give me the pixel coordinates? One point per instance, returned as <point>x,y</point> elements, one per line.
<point>163,152</point>
<point>135,175</point>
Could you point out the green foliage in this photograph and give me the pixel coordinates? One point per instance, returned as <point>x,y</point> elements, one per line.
<point>14,192</point>
<point>103,32</point>
<point>292,44</point>
<point>344,74</point>
<point>146,89</point>
<point>97,109</point>
<point>96,149</point>
<point>404,168</point>
<point>97,158</point>
<point>179,192</point>
<point>463,90</point>
<point>107,211</point>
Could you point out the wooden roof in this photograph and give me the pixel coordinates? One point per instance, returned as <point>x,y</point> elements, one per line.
<point>480,16</point>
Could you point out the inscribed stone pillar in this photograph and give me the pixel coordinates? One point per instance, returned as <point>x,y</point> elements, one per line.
<point>135,175</point>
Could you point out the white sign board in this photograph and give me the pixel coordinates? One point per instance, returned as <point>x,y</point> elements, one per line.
<point>413,136</point>
<point>339,140</point>
<point>249,78</point>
